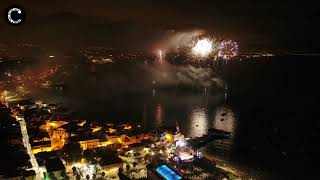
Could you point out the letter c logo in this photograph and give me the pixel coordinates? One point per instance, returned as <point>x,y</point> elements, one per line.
<point>15,15</point>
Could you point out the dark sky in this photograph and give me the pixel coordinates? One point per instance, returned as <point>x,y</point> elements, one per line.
<point>255,24</point>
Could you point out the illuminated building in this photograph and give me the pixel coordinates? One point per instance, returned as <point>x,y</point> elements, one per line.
<point>92,142</point>
<point>82,123</point>
<point>41,143</point>
<point>162,172</point>
<point>41,146</point>
<point>89,144</point>
<point>95,129</point>
<point>111,130</point>
<point>127,127</point>
<point>167,173</point>
<point>58,135</point>
<point>126,140</point>
<point>169,137</point>
<point>161,134</point>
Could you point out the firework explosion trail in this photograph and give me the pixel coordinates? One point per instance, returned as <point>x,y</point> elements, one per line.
<point>160,56</point>
<point>228,49</point>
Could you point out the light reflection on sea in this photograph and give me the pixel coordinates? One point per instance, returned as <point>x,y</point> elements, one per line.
<point>194,113</point>
<point>225,119</point>
<point>198,122</point>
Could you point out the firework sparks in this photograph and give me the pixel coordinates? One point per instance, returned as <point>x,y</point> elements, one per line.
<point>228,49</point>
<point>202,48</point>
<point>198,48</point>
<point>160,56</point>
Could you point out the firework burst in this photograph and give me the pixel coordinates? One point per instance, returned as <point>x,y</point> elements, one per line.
<point>202,48</point>
<point>228,49</point>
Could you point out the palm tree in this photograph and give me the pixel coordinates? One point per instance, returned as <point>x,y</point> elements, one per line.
<point>135,164</point>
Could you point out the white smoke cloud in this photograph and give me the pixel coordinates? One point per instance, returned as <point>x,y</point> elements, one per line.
<point>171,75</point>
<point>173,40</point>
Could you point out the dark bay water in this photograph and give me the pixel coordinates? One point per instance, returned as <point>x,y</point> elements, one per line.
<point>277,105</point>
<point>194,113</point>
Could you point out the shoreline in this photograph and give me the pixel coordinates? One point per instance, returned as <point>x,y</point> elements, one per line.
<point>241,172</point>
<point>227,166</point>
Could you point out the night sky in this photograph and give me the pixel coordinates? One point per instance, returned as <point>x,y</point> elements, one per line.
<point>285,25</point>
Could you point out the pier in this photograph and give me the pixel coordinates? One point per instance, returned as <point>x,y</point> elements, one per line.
<point>213,134</point>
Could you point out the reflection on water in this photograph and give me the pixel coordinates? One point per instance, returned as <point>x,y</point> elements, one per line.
<point>195,114</point>
<point>224,119</point>
<point>158,116</point>
<point>198,122</point>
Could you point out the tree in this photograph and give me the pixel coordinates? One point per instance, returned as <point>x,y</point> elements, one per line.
<point>89,154</point>
<point>64,175</point>
<point>51,175</point>
<point>135,164</point>
<point>72,152</point>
